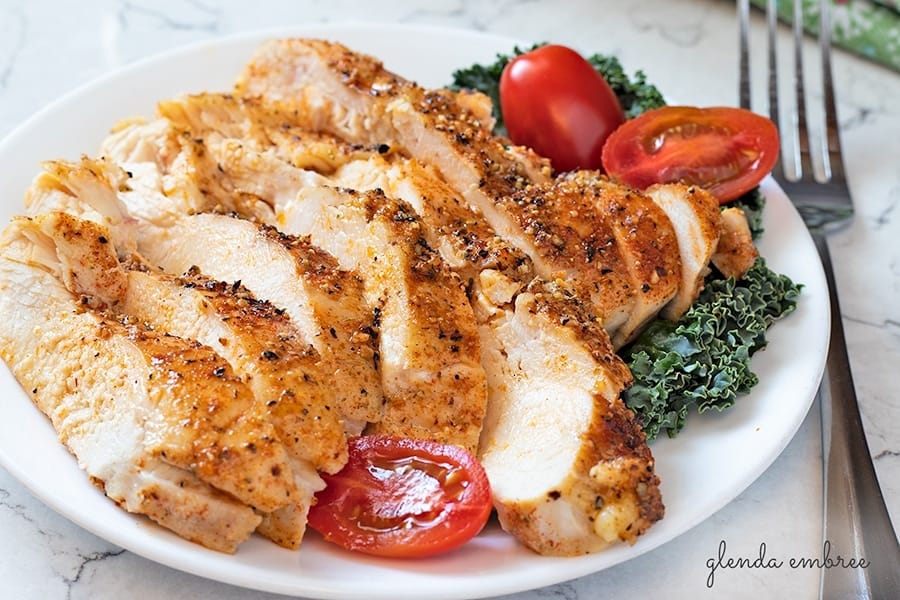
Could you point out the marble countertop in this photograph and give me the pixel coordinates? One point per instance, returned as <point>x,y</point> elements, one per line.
<point>47,48</point>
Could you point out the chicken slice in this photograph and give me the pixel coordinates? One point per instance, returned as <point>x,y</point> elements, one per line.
<point>426,333</point>
<point>259,341</point>
<point>63,186</point>
<point>522,390</point>
<point>171,174</point>
<point>569,467</point>
<point>465,241</point>
<point>115,392</point>
<point>429,354</point>
<point>735,252</point>
<point>216,117</point>
<point>694,213</point>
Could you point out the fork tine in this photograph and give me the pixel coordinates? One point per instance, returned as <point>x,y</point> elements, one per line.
<point>744,58</point>
<point>774,108</point>
<point>835,165</point>
<point>804,170</point>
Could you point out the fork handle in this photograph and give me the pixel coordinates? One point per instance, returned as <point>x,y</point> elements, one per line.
<point>857,525</point>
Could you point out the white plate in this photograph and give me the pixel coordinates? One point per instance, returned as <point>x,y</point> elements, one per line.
<point>712,462</point>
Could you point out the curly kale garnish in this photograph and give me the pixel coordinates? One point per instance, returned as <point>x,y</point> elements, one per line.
<point>634,94</point>
<point>703,360</point>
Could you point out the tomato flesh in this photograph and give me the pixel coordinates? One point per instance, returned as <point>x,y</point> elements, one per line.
<point>403,498</point>
<point>724,150</point>
<point>553,101</point>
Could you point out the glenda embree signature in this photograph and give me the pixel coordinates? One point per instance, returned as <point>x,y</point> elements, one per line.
<point>761,561</point>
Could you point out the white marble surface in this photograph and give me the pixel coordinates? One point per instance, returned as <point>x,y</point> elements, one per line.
<point>47,48</point>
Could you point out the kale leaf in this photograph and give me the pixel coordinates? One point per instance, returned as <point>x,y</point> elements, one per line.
<point>703,360</point>
<point>634,94</point>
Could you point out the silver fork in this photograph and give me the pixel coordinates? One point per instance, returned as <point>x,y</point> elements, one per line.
<point>856,523</point>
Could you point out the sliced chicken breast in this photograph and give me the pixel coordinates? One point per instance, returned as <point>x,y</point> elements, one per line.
<point>468,243</point>
<point>214,117</point>
<point>735,252</point>
<point>259,341</point>
<point>563,236</point>
<point>429,353</point>
<point>554,514</point>
<point>540,349</point>
<point>569,467</point>
<point>646,238</point>
<point>694,213</point>
<point>115,393</point>
<point>527,250</point>
<point>324,302</point>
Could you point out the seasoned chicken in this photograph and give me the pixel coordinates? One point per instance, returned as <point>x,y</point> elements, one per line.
<point>429,353</point>
<point>465,241</point>
<point>428,357</point>
<point>245,136</point>
<point>646,239</point>
<point>332,89</point>
<point>569,467</point>
<point>431,280</point>
<point>215,117</point>
<point>257,341</point>
<point>735,252</point>
<point>499,187</point>
<point>162,424</point>
<point>324,303</point>
<point>171,175</point>
<point>64,186</point>
<point>694,213</point>
<point>540,349</point>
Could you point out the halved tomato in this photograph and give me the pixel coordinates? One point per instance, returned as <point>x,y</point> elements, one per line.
<point>724,150</point>
<point>403,498</point>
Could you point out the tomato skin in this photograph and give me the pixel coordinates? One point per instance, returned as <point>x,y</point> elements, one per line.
<point>724,150</point>
<point>403,498</point>
<point>555,102</point>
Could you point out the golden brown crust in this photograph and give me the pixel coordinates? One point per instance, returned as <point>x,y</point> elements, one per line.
<point>647,241</point>
<point>209,422</point>
<point>337,297</point>
<point>447,217</point>
<point>735,252</point>
<point>576,244</point>
<point>282,371</point>
<point>436,391</point>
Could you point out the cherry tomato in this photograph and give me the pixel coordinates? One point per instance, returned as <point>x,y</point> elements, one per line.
<point>725,150</point>
<point>403,498</point>
<point>553,101</point>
